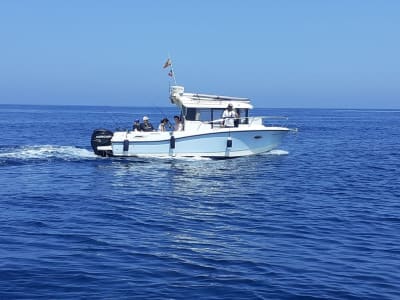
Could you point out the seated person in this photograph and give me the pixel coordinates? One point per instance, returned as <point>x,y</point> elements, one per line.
<point>178,124</point>
<point>146,125</point>
<point>136,125</point>
<point>163,125</point>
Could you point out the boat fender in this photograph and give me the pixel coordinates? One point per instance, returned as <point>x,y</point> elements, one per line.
<point>172,142</point>
<point>229,143</point>
<point>126,145</point>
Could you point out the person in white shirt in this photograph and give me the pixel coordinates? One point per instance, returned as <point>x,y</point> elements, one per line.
<point>163,125</point>
<point>229,116</point>
<point>178,124</point>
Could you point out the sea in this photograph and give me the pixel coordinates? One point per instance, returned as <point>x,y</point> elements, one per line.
<point>316,218</point>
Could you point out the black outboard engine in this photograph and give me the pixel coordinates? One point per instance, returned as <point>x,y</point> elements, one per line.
<point>101,137</point>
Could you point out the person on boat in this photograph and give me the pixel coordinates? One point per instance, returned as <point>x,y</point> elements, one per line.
<point>237,119</point>
<point>178,124</point>
<point>136,125</point>
<point>229,116</point>
<point>146,125</point>
<point>163,125</point>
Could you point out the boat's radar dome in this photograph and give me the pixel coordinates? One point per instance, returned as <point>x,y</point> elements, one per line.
<point>101,137</point>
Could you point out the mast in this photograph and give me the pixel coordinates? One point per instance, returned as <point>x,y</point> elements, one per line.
<point>171,72</point>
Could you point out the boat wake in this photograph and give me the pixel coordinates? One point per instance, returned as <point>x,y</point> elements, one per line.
<point>14,155</point>
<point>44,152</point>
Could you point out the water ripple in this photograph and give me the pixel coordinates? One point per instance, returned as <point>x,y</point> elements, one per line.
<point>316,220</point>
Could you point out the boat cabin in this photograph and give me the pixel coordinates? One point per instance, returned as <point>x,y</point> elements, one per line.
<point>205,111</point>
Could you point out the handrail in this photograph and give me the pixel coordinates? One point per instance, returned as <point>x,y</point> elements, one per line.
<point>271,117</point>
<point>244,118</point>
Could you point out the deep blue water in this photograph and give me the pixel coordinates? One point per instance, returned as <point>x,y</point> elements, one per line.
<point>319,218</point>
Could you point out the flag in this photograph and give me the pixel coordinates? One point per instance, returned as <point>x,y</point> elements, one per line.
<point>170,73</point>
<point>167,63</point>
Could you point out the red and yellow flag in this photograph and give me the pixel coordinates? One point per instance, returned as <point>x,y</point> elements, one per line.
<point>167,63</point>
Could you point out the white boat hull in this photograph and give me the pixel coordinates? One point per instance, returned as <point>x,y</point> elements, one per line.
<point>220,143</point>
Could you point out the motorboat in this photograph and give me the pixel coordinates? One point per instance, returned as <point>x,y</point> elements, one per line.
<point>204,131</point>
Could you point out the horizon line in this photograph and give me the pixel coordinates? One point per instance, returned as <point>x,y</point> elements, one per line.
<point>144,106</point>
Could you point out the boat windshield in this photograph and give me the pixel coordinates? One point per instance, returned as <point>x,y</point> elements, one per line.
<point>203,114</point>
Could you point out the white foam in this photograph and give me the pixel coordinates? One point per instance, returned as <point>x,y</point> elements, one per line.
<point>47,151</point>
<point>72,153</point>
<point>277,152</point>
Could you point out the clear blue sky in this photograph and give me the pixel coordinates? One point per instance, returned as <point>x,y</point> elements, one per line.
<point>340,54</point>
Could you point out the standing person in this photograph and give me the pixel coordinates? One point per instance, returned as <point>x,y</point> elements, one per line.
<point>237,119</point>
<point>146,125</point>
<point>178,124</point>
<point>229,116</point>
<point>136,125</point>
<point>163,125</point>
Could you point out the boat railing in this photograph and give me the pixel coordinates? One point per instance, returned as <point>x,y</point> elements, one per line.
<point>268,120</point>
<point>253,120</point>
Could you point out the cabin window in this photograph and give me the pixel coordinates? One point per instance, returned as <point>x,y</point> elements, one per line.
<point>204,114</point>
<point>243,116</point>
<point>246,121</point>
<point>190,114</point>
<point>207,114</point>
<point>216,114</point>
<point>199,114</point>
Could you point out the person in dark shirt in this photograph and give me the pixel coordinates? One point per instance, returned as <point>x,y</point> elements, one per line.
<point>146,125</point>
<point>136,125</point>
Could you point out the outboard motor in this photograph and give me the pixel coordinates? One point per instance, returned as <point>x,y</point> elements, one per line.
<point>101,137</point>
